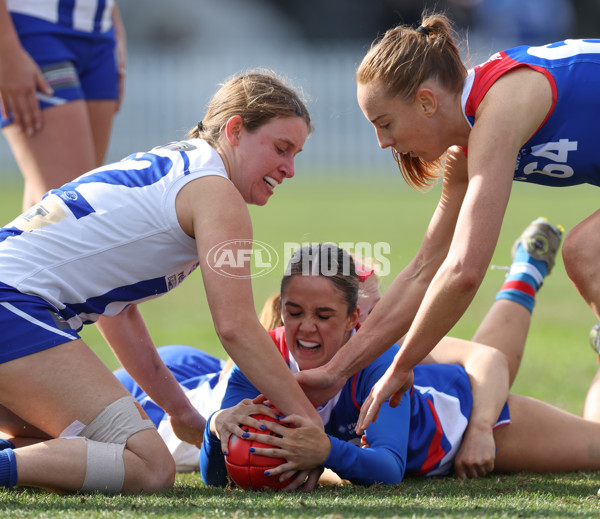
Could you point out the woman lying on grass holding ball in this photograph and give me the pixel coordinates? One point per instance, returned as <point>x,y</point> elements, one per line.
<point>424,433</point>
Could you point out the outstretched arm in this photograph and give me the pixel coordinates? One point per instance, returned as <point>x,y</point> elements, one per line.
<point>392,316</point>
<point>449,294</point>
<point>510,113</point>
<point>212,210</point>
<point>503,125</point>
<point>127,335</point>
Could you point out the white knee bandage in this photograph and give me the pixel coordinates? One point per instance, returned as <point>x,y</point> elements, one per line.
<point>105,469</point>
<point>118,421</point>
<point>106,437</point>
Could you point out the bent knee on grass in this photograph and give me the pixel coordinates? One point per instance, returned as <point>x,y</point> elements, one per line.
<point>149,466</point>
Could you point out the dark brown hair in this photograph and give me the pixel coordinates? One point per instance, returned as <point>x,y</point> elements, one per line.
<point>327,260</point>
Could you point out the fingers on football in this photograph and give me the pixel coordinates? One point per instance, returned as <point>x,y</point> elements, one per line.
<point>286,475</point>
<point>298,482</point>
<point>254,409</point>
<point>296,421</point>
<point>283,471</point>
<point>232,431</point>
<point>274,450</point>
<point>275,427</point>
<point>312,479</point>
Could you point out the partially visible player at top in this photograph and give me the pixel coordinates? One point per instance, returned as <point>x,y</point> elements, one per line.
<point>527,114</point>
<point>62,76</point>
<point>119,235</point>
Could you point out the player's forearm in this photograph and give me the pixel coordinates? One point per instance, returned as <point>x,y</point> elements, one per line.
<point>118,23</point>
<point>162,387</point>
<point>388,322</point>
<point>445,301</point>
<point>364,466</point>
<point>128,337</point>
<point>212,425</point>
<point>252,349</point>
<point>488,375</point>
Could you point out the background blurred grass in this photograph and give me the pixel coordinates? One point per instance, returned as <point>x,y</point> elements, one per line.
<point>366,207</point>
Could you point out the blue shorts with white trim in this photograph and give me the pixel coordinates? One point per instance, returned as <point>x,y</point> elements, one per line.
<point>29,325</point>
<point>77,65</point>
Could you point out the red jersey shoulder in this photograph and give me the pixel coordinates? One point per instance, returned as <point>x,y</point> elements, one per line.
<point>278,336</point>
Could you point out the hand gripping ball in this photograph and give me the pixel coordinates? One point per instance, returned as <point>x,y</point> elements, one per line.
<point>246,469</point>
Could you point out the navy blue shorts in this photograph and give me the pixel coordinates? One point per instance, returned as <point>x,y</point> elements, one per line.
<point>77,65</point>
<point>29,325</point>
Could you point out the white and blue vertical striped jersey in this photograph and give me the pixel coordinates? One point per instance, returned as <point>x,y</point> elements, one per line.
<point>82,15</point>
<point>110,237</point>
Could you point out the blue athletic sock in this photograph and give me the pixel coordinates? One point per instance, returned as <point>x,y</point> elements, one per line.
<point>524,279</point>
<point>522,256</point>
<point>6,444</point>
<point>8,468</point>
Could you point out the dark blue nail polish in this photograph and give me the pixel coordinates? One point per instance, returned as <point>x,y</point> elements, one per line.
<point>262,427</point>
<point>245,435</point>
<point>251,449</point>
<point>224,453</point>
<point>267,473</point>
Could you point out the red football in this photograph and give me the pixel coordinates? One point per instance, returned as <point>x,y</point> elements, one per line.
<point>245,468</point>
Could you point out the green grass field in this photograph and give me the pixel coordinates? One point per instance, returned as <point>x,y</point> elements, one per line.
<point>558,364</point>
